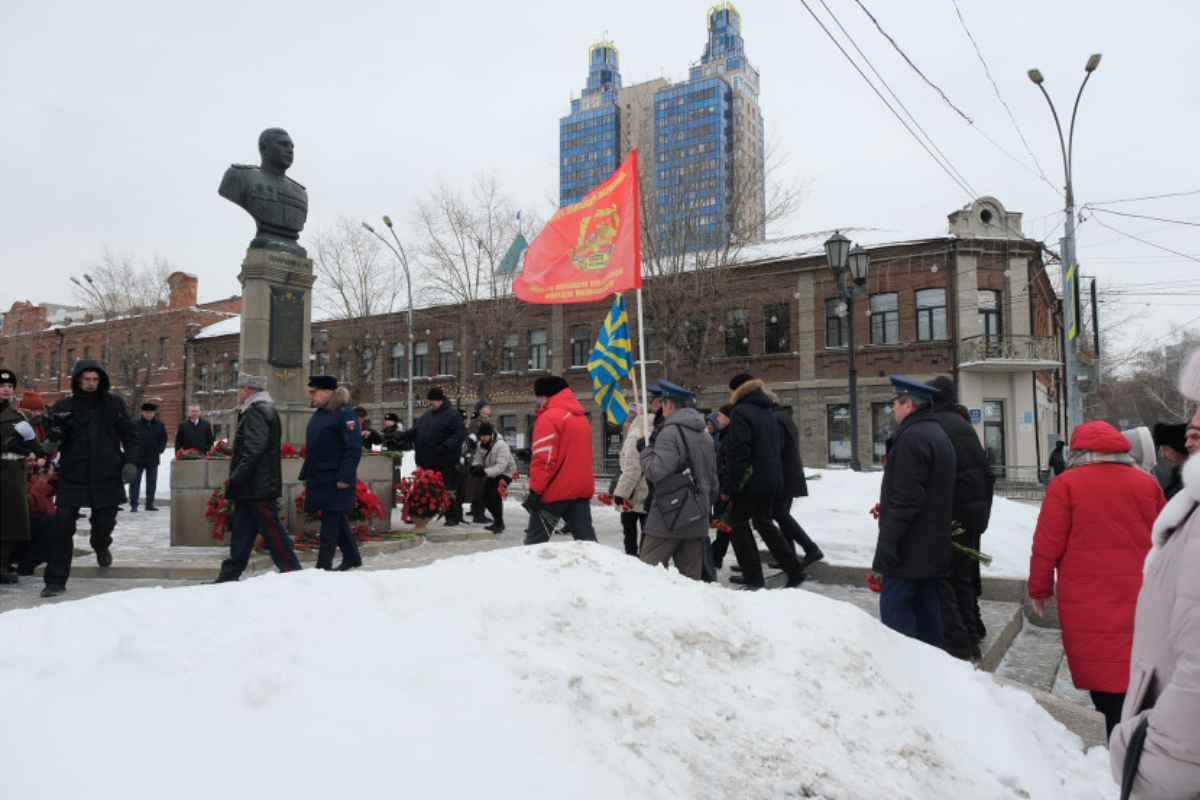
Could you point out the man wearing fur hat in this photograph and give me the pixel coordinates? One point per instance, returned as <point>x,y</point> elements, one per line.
<point>561,480</point>
<point>152,441</point>
<point>333,448</point>
<point>751,477</point>
<point>437,438</point>
<point>256,482</point>
<point>19,440</point>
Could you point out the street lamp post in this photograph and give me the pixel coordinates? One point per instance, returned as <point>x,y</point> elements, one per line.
<point>398,251</point>
<point>856,261</point>
<point>1070,348</point>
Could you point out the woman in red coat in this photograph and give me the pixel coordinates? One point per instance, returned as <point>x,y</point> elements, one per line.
<point>1094,529</point>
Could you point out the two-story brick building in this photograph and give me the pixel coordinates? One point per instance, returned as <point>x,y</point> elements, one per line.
<point>44,347</point>
<point>973,302</point>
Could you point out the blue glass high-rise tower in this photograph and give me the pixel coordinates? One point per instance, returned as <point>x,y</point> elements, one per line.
<point>701,142</point>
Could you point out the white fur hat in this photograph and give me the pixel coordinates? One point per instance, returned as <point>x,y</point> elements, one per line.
<point>1189,379</point>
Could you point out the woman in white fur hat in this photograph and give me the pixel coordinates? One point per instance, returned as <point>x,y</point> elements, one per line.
<point>1162,703</point>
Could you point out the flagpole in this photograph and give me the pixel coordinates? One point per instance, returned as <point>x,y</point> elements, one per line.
<point>642,362</point>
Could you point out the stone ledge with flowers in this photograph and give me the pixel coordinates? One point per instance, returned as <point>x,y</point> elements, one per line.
<point>195,476</point>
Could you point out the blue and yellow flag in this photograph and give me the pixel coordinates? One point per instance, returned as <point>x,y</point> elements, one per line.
<point>612,359</point>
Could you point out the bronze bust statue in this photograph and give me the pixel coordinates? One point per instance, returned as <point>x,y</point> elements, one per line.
<point>278,204</point>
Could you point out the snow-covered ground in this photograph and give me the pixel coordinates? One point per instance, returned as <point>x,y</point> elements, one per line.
<point>564,670</point>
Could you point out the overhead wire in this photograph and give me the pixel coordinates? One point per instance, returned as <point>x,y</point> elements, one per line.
<point>1145,241</point>
<point>1140,199</point>
<point>979,53</point>
<point>962,185</point>
<point>1139,216</point>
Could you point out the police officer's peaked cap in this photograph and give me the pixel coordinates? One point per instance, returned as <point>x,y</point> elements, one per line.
<point>674,391</point>
<point>907,386</point>
<point>654,390</point>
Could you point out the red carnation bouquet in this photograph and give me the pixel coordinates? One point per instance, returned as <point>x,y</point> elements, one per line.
<point>288,451</point>
<point>221,449</point>
<point>424,494</point>
<point>188,455</point>
<point>366,506</point>
<point>220,511</point>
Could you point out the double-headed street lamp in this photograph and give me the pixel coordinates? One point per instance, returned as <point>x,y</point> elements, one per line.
<point>1070,292</point>
<point>398,251</point>
<point>856,261</point>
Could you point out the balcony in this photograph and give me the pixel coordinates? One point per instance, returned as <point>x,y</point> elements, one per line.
<point>1008,354</point>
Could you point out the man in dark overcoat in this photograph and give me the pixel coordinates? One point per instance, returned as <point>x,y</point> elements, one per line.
<point>333,448</point>
<point>19,440</point>
<point>195,433</point>
<point>256,482</point>
<point>962,627</point>
<point>97,457</point>
<point>752,476</point>
<point>916,501</point>
<point>152,441</point>
<point>437,438</point>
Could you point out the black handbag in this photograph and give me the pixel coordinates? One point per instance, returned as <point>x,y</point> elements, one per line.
<point>677,497</point>
<point>1133,755</point>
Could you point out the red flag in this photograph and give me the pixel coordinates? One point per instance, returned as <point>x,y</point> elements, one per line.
<point>589,249</point>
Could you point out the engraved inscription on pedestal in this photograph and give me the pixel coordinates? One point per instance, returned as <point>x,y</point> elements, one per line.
<point>287,327</point>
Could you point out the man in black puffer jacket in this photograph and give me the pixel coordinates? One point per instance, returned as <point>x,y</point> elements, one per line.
<point>751,478</point>
<point>973,484</point>
<point>916,503</point>
<point>96,458</point>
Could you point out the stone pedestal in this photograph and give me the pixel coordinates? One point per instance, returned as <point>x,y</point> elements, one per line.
<point>193,482</point>
<point>277,332</point>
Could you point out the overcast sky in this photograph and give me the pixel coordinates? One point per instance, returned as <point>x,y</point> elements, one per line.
<point>117,119</point>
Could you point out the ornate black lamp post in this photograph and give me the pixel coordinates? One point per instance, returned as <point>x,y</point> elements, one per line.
<point>842,259</point>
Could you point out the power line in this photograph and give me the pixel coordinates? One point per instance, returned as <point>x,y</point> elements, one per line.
<point>1140,216</point>
<point>1146,242</point>
<point>996,88</point>
<point>1150,197</point>
<point>837,44</point>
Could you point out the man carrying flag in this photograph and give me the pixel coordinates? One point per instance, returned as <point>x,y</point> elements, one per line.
<point>611,360</point>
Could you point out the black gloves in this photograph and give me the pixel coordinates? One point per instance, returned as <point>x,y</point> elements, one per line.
<point>531,502</point>
<point>477,470</point>
<point>641,444</point>
<point>128,473</point>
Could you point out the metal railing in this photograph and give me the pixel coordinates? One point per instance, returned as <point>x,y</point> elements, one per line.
<point>1008,348</point>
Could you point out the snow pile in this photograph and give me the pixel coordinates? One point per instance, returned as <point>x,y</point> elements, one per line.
<point>566,670</point>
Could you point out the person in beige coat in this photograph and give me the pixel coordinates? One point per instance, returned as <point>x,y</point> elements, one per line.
<point>1164,684</point>
<point>631,484</point>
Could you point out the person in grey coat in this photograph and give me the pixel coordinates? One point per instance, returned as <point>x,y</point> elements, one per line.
<point>683,442</point>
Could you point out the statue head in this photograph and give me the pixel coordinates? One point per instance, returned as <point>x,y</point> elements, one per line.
<point>276,149</point>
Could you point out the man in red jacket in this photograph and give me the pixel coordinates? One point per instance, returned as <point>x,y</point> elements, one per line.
<point>561,481</point>
<point>1094,531</point>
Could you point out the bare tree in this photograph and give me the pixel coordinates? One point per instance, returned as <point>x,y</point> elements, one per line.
<point>126,298</point>
<point>462,240</point>
<point>360,284</point>
<point>1141,385</point>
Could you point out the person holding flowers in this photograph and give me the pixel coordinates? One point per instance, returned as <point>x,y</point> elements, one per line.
<point>494,463</point>
<point>333,448</point>
<point>256,483</point>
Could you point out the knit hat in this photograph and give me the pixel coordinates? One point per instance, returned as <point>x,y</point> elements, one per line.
<point>726,409</point>
<point>149,407</point>
<point>435,393</point>
<point>1141,447</point>
<point>479,404</point>
<point>359,411</point>
<point>1189,379</point>
<point>248,381</point>
<point>32,401</point>
<point>738,380</point>
<point>485,429</point>
<point>549,386</point>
